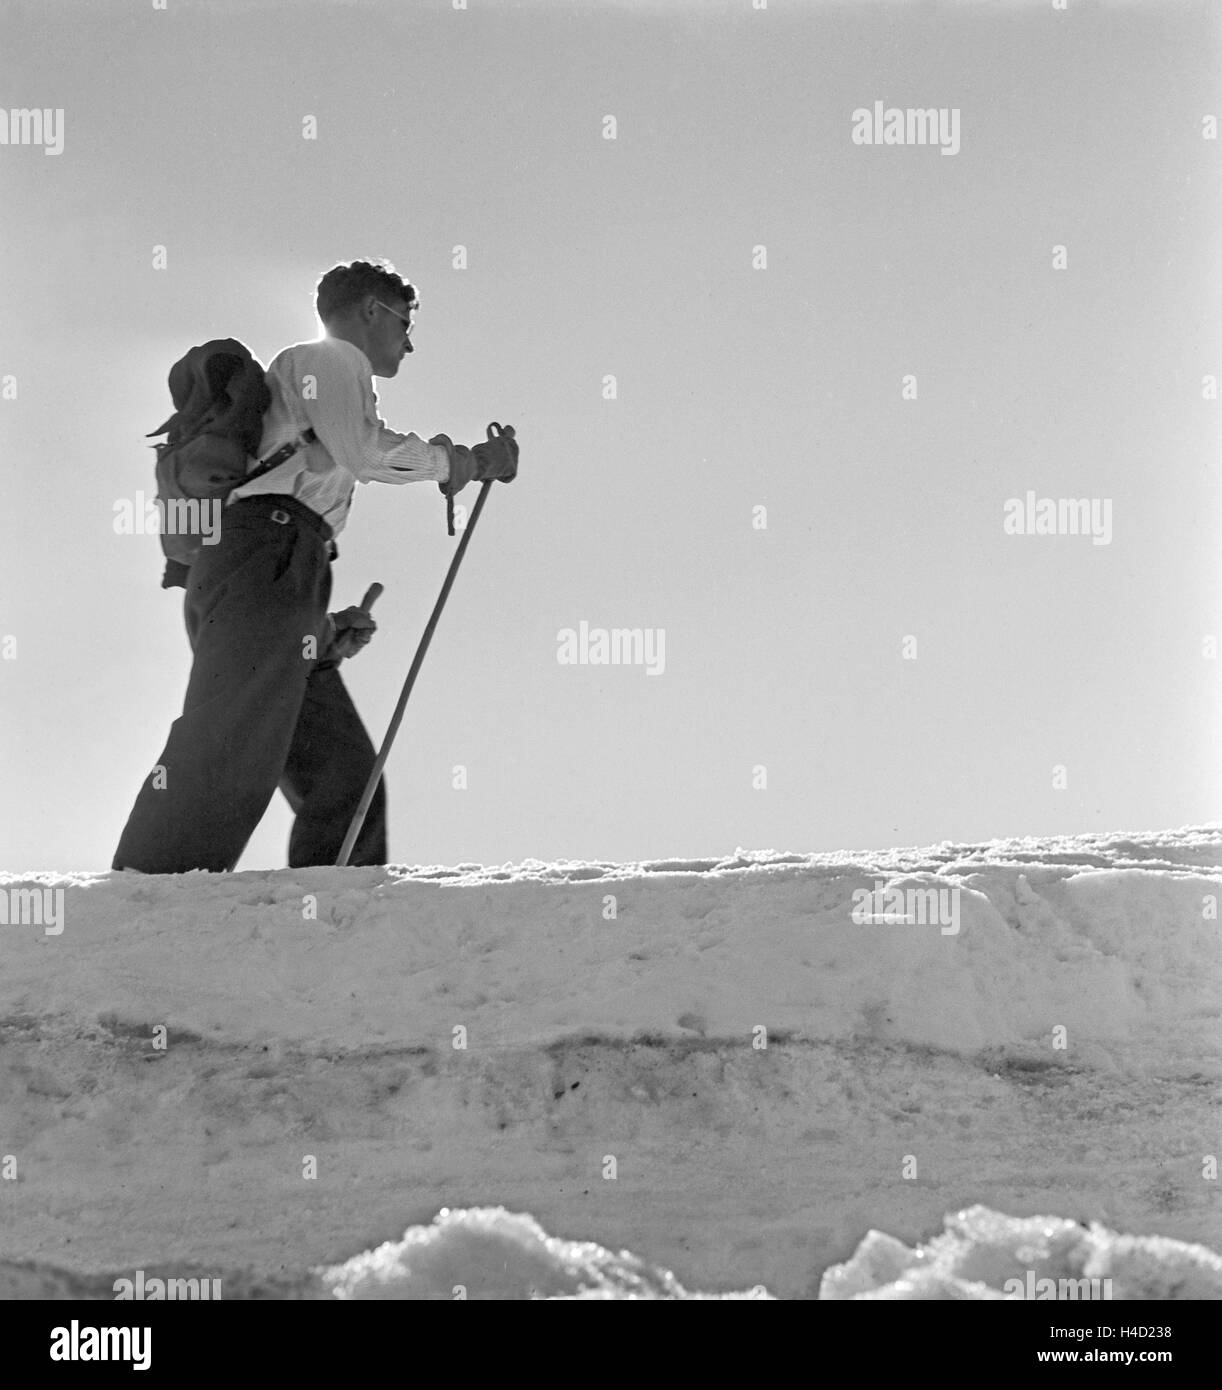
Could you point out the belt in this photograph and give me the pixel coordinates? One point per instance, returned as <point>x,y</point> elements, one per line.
<point>284,510</point>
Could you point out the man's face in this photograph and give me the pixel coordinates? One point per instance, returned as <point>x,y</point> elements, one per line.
<point>389,342</point>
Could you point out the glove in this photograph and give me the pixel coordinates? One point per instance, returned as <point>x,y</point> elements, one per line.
<point>494,458</point>
<point>353,629</point>
<point>498,456</point>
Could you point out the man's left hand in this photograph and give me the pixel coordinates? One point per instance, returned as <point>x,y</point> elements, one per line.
<point>353,630</point>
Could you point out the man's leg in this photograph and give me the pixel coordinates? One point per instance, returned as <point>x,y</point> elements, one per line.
<point>252,601</point>
<point>327,768</point>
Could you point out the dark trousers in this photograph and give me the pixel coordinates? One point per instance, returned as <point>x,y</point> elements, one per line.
<point>262,709</point>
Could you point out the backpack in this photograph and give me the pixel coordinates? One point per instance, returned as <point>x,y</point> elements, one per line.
<point>220,395</point>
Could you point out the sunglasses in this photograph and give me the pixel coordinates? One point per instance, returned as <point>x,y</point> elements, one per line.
<point>408,325</point>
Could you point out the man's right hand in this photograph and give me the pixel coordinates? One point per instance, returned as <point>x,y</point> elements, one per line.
<point>494,458</point>
<point>497,457</point>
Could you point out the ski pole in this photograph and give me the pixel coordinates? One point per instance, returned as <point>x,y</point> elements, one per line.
<point>362,810</point>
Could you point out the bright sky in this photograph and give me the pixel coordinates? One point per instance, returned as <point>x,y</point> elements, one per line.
<point>737,389</point>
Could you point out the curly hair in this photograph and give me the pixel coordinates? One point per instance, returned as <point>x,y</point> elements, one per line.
<point>348,283</point>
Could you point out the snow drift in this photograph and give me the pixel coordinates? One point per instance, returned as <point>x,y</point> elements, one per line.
<point>734,1069</point>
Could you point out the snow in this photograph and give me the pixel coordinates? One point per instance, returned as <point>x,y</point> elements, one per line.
<point>496,1254</point>
<point>707,1062</point>
<point>980,1255</point>
<point>984,1255</point>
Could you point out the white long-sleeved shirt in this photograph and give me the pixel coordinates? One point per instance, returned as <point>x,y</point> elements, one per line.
<point>328,385</point>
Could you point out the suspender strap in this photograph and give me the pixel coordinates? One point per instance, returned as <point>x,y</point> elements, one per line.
<point>283,453</point>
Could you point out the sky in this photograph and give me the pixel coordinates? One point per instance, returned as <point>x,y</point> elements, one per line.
<point>773,389</point>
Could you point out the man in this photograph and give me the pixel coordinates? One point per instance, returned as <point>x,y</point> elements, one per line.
<point>265,703</point>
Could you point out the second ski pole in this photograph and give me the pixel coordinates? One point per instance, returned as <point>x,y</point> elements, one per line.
<point>362,810</point>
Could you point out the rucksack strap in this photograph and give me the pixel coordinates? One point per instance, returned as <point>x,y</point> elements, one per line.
<point>282,454</point>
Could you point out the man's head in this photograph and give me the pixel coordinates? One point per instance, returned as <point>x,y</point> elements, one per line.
<point>368,305</point>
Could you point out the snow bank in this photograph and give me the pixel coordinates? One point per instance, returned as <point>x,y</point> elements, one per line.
<point>492,1253</point>
<point>805,1046</point>
<point>1111,942</point>
<point>983,1255</point>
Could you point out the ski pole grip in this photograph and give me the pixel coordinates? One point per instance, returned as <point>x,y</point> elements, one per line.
<point>372,594</point>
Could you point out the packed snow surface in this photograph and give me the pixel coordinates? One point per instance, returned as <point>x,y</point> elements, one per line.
<point>738,1069</point>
